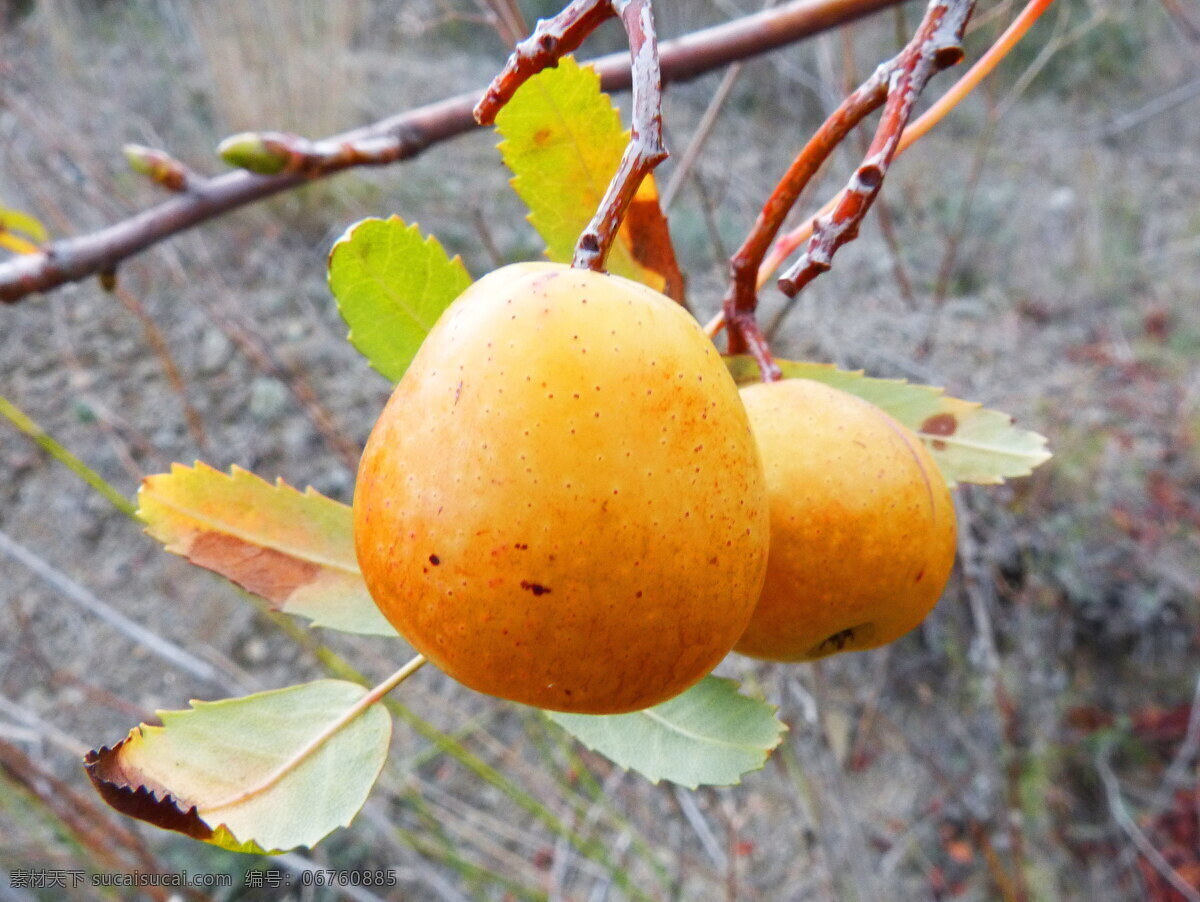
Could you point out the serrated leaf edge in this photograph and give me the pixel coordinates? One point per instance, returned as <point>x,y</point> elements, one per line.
<point>220,526</point>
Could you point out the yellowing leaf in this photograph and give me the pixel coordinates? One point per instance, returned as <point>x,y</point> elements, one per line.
<point>231,772</point>
<point>17,244</point>
<point>12,221</point>
<point>391,286</point>
<point>709,736</point>
<point>295,549</point>
<point>970,443</point>
<point>563,142</point>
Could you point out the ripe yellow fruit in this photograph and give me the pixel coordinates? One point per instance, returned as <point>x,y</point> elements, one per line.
<point>562,503</point>
<point>862,524</point>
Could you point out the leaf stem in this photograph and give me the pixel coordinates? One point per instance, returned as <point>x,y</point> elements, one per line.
<point>47,443</point>
<point>321,738</point>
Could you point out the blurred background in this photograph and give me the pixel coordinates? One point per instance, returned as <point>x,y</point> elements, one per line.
<point>1039,252</point>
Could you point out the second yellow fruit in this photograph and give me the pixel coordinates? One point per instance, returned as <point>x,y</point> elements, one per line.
<point>862,524</point>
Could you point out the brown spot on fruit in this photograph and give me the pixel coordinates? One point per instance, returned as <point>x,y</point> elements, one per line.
<point>261,571</point>
<point>534,588</point>
<point>434,559</point>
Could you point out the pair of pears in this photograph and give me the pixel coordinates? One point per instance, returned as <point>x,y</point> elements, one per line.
<point>568,503</point>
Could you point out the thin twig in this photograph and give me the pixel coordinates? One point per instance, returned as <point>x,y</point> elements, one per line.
<point>883,212</point>
<point>954,240</point>
<point>506,17</point>
<point>411,132</point>
<point>162,350</point>
<point>553,39</point>
<point>1186,24</point>
<point>1176,774</point>
<point>261,354</point>
<point>704,129</point>
<point>74,592</point>
<point>701,135</point>
<point>645,149</point>
<point>1137,836</point>
<point>703,830</point>
<point>741,301</point>
<point>937,45</point>
<point>1163,103</point>
<point>965,85</point>
<point>51,446</point>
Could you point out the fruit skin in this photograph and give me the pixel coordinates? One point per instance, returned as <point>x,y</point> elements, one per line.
<point>562,504</point>
<point>862,524</point>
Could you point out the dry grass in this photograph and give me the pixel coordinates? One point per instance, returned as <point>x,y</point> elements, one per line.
<point>1052,275</point>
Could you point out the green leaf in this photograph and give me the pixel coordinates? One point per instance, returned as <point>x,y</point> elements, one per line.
<point>970,443</point>
<point>709,736</point>
<point>391,286</point>
<point>229,772</point>
<point>295,549</point>
<point>563,141</point>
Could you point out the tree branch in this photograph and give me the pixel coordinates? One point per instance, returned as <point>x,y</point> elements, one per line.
<point>551,40</point>
<point>645,149</point>
<point>937,45</point>
<point>409,133</point>
<point>897,83</point>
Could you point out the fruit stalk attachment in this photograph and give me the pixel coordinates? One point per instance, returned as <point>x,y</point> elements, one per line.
<point>894,85</point>
<point>553,39</point>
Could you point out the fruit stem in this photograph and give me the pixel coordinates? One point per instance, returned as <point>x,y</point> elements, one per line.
<point>321,738</point>
<point>645,149</point>
<point>553,39</point>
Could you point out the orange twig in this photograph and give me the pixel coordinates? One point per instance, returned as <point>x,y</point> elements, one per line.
<point>937,45</point>
<point>554,38</point>
<point>971,79</point>
<point>898,82</point>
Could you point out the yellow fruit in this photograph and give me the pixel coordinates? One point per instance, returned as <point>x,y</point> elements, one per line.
<point>562,503</point>
<point>862,524</point>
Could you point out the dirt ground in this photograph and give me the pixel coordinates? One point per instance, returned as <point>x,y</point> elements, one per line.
<point>1035,739</point>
